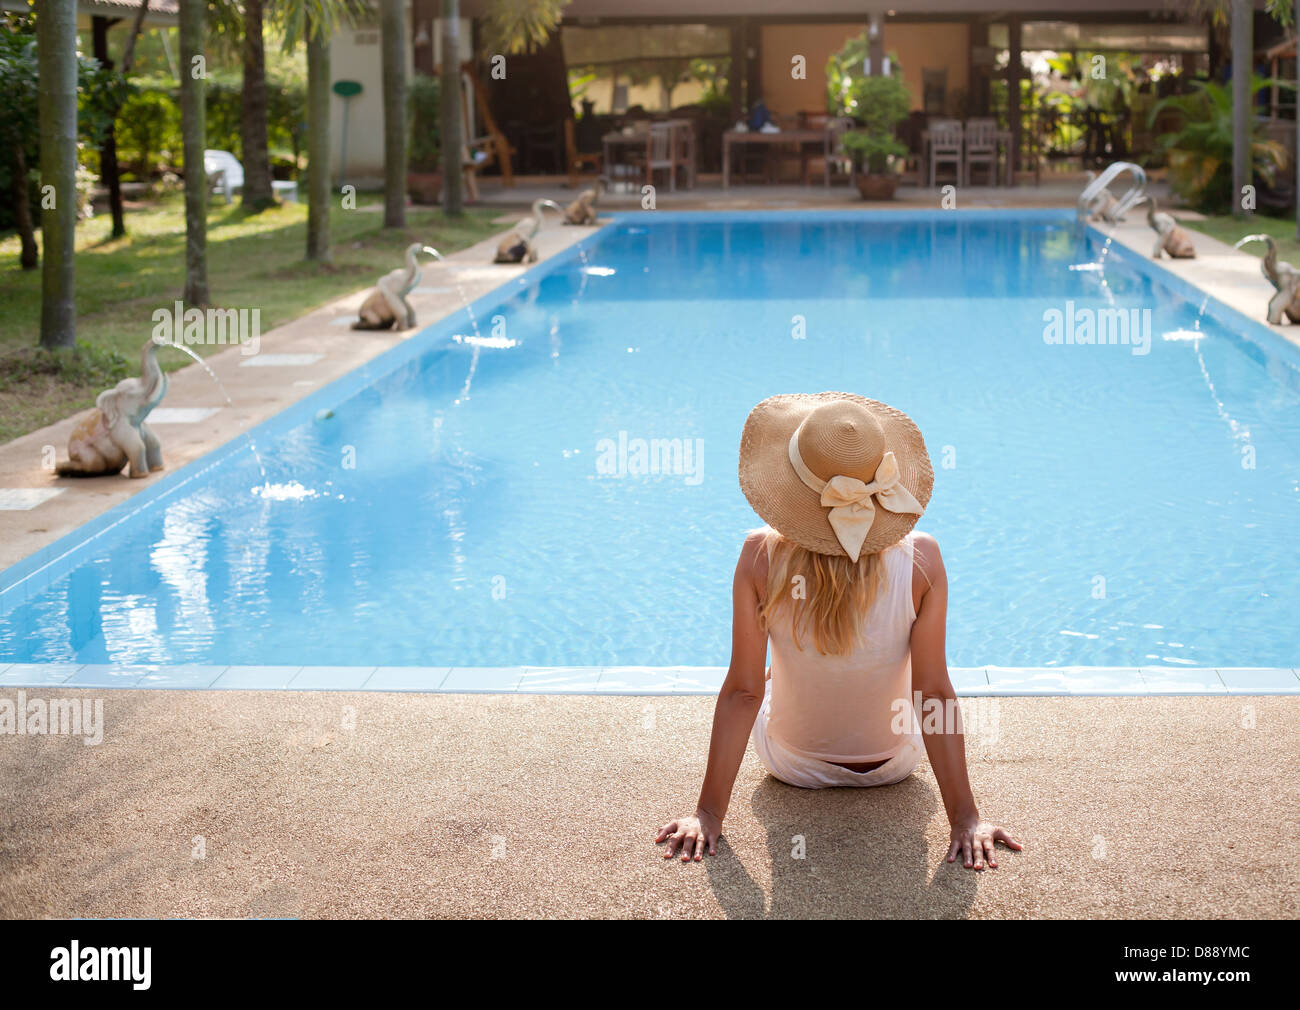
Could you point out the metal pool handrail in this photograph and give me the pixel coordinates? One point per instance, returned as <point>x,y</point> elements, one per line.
<point>1136,192</point>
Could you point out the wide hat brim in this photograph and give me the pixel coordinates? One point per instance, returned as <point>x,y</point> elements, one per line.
<point>793,509</point>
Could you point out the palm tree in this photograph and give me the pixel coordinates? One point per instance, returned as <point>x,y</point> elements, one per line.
<point>56,40</point>
<point>315,22</point>
<point>193,140</point>
<point>258,194</point>
<point>1242,114</point>
<point>393,29</point>
<point>452,142</point>
<point>318,142</point>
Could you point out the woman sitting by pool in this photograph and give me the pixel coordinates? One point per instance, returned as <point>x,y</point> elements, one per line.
<point>840,480</point>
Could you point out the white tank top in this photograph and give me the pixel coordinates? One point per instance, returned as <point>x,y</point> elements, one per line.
<point>855,707</point>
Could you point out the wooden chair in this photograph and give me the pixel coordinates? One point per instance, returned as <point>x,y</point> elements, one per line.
<point>491,147</point>
<point>683,150</point>
<point>661,155</point>
<point>982,148</point>
<point>945,143</point>
<point>574,160</point>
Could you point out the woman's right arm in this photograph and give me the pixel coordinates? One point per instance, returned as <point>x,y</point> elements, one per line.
<point>733,715</point>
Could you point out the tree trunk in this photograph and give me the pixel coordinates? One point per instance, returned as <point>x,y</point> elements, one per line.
<point>108,166</point>
<point>1242,113</point>
<point>128,50</point>
<point>56,31</point>
<point>108,173</point>
<point>318,145</point>
<point>23,210</point>
<point>193,141</point>
<point>258,194</point>
<point>452,141</point>
<point>393,29</point>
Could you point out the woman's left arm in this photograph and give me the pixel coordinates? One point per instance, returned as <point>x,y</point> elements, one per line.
<point>971,837</point>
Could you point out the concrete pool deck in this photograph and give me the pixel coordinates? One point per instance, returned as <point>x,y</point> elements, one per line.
<point>362,805</point>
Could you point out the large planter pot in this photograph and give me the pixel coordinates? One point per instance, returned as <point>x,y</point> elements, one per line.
<point>876,187</point>
<point>424,187</point>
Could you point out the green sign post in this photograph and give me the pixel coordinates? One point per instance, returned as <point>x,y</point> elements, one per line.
<point>346,90</point>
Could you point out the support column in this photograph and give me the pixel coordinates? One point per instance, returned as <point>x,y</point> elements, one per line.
<point>424,19</point>
<point>737,72</point>
<point>753,62</point>
<point>1015,73</point>
<point>876,43</point>
<point>977,77</point>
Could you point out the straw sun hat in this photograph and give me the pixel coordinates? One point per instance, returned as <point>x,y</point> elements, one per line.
<point>835,472</point>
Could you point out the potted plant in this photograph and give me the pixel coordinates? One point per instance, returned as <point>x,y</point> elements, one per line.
<point>879,104</point>
<point>424,156</point>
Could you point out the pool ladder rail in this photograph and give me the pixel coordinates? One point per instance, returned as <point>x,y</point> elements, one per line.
<point>1125,203</point>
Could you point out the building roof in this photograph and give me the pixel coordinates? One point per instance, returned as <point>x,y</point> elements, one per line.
<point>1282,50</point>
<point>161,13</point>
<point>857,10</point>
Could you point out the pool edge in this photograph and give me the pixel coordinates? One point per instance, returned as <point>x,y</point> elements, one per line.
<point>646,681</point>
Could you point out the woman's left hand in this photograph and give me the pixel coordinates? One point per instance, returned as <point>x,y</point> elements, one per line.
<point>975,840</point>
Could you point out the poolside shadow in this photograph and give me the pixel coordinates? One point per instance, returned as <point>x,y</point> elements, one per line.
<point>844,853</point>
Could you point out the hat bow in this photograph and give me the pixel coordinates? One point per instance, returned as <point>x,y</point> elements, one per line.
<point>849,499</point>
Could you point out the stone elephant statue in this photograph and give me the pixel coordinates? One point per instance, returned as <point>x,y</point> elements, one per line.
<point>115,434</point>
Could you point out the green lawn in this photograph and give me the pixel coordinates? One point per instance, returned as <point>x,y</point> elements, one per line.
<point>1229,229</point>
<point>254,261</point>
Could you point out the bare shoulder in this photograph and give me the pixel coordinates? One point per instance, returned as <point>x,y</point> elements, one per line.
<point>925,545</point>
<point>927,561</point>
<point>753,558</point>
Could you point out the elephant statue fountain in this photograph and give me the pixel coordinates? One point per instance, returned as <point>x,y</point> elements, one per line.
<point>1103,206</point>
<point>583,210</point>
<point>115,434</point>
<point>1283,276</point>
<point>387,306</point>
<point>517,247</point>
<point>1169,237</point>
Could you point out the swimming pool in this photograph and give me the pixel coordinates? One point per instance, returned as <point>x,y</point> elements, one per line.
<point>478,500</point>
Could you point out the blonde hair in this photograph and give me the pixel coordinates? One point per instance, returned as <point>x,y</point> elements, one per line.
<point>831,598</point>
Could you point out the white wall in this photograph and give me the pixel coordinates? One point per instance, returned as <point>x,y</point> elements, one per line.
<point>355,55</point>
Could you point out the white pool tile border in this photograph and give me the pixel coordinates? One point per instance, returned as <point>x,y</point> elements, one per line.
<point>181,415</point>
<point>280,360</point>
<point>24,499</point>
<point>982,681</point>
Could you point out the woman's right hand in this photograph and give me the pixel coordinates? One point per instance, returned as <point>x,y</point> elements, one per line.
<point>691,835</point>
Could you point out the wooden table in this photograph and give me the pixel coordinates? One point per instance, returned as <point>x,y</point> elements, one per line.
<point>800,137</point>
<point>681,149</point>
<point>618,139</point>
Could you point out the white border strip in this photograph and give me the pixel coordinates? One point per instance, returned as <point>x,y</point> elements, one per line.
<point>999,681</point>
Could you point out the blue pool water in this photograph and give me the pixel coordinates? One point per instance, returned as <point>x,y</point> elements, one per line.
<point>1092,503</point>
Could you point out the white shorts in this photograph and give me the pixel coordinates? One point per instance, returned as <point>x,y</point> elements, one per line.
<point>811,773</point>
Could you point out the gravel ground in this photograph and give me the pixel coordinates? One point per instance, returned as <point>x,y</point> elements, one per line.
<point>374,805</point>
